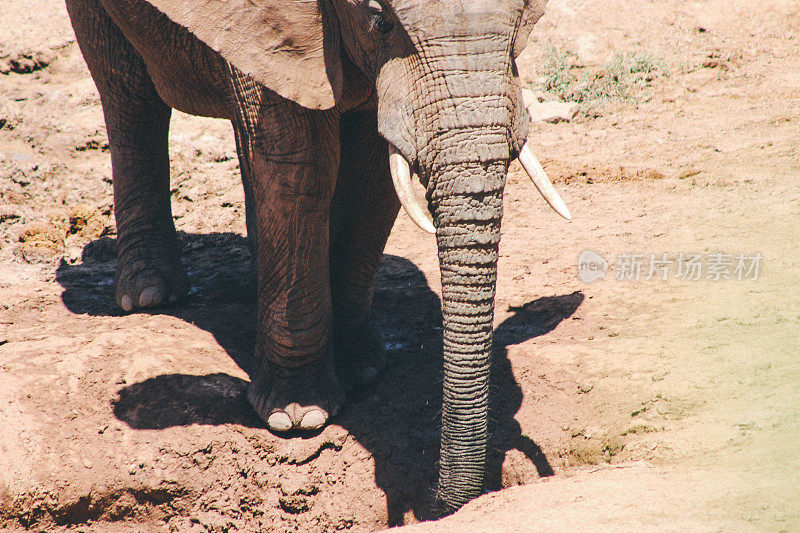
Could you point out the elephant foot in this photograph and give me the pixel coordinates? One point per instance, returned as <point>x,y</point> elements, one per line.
<point>149,277</point>
<point>359,355</point>
<point>300,398</point>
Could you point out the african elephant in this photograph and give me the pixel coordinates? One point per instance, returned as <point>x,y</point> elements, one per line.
<point>335,104</point>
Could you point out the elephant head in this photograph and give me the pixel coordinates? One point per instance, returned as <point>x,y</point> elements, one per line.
<point>450,105</point>
<point>442,76</point>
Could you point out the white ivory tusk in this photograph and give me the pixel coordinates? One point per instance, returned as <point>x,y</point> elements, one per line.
<point>539,178</point>
<point>401,177</point>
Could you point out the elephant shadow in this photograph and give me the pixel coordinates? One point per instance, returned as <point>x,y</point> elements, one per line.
<point>397,421</point>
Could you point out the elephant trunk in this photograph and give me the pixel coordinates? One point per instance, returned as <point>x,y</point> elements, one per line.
<point>459,123</point>
<point>468,235</point>
<point>472,134</point>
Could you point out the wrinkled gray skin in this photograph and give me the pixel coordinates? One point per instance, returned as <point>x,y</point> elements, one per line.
<point>435,78</point>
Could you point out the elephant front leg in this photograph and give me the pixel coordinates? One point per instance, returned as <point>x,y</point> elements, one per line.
<point>292,155</point>
<point>365,207</point>
<point>293,384</point>
<point>149,271</point>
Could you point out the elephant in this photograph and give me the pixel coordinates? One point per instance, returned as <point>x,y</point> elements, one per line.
<point>335,106</point>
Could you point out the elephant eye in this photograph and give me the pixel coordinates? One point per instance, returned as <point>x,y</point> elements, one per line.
<point>379,21</point>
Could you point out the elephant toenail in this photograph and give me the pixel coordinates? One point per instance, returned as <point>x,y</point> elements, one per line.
<point>149,296</point>
<point>126,303</point>
<point>313,419</point>
<point>279,421</point>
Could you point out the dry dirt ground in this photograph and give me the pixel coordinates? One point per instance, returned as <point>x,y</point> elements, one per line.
<point>638,404</point>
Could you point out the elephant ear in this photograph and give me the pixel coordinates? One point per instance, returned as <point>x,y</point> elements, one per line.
<point>532,12</point>
<point>290,46</point>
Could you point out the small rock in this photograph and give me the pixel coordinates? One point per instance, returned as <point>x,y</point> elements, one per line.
<point>344,523</point>
<point>530,97</point>
<point>24,62</point>
<point>87,463</point>
<point>83,218</point>
<point>553,112</point>
<point>42,235</point>
<point>294,504</point>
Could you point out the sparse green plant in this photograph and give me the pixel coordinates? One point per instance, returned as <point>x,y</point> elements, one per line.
<point>558,75</point>
<point>625,77</point>
<point>638,429</point>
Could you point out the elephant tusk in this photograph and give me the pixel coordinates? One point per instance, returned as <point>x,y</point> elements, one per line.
<point>401,178</point>
<point>539,178</point>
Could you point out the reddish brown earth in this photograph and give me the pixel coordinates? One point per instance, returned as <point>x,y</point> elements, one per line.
<point>652,404</point>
